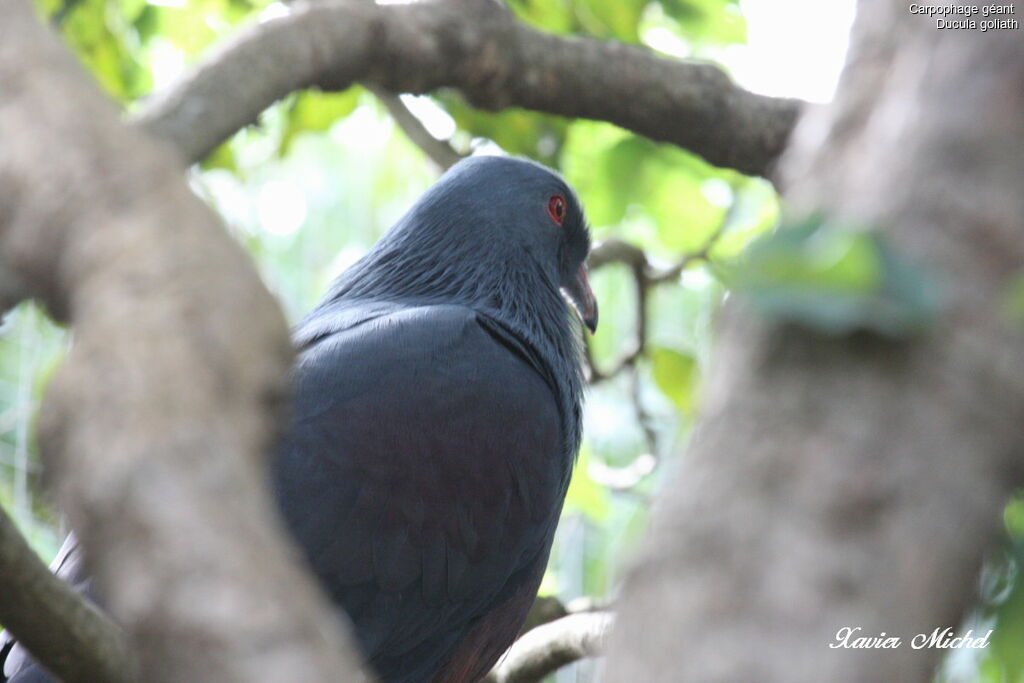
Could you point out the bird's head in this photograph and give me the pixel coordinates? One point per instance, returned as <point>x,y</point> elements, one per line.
<point>516,209</point>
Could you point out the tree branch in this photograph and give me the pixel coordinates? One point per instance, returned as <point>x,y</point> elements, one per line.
<point>77,641</point>
<point>549,647</point>
<point>879,466</point>
<point>156,426</point>
<point>493,60</point>
<point>548,608</point>
<point>438,151</point>
<point>545,609</point>
<point>645,276</point>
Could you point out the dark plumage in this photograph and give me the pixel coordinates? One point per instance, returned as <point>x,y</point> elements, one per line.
<point>437,416</point>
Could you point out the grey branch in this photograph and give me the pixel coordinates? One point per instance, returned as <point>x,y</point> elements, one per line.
<point>545,608</point>
<point>483,52</point>
<point>155,428</point>
<point>77,641</point>
<point>551,646</point>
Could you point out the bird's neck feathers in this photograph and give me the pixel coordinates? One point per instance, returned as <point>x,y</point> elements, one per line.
<point>494,277</point>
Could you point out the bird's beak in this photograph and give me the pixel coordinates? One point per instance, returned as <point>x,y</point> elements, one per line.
<point>582,299</point>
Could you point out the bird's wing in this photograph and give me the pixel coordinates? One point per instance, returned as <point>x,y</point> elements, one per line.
<point>423,476</point>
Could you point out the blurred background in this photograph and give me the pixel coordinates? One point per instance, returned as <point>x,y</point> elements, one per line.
<point>322,175</point>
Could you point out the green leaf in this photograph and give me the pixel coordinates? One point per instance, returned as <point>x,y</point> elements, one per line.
<point>48,8</point>
<point>1014,303</point>
<point>1009,632</point>
<point>189,28</point>
<point>754,213</point>
<point>716,22</point>
<point>991,670</point>
<point>675,374</point>
<point>100,35</point>
<point>654,194</point>
<point>835,279</point>
<point>585,162</point>
<point>517,131</point>
<point>222,157</point>
<point>684,216</point>
<point>314,110</point>
<point>618,19</point>
<point>1013,516</point>
<point>553,17</point>
<point>623,168</point>
<point>585,495</point>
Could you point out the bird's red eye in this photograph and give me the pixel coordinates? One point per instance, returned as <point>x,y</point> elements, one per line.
<point>556,208</point>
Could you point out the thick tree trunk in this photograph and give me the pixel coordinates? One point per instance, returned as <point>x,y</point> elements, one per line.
<point>856,482</point>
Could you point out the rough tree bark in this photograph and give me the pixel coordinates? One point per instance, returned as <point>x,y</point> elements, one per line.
<point>155,428</point>
<point>855,481</point>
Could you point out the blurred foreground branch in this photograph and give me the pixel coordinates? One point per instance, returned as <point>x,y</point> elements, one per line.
<point>155,427</point>
<point>78,642</point>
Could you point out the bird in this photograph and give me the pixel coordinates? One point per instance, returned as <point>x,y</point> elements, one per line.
<point>437,398</point>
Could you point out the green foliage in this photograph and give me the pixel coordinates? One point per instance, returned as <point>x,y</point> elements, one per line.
<point>223,158</point>
<point>707,21</point>
<point>585,496</point>
<point>313,111</point>
<point>703,22</point>
<point>101,34</point>
<point>1003,603</point>
<point>836,279</point>
<point>675,375</point>
<point>1013,517</point>
<point>1009,634</point>
<point>30,348</point>
<point>554,17</point>
<point>615,289</point>
<point>614,20</point>
<point>518,132</point>
<point>192,26</point>
<point>656,196</point>
<point>1014,300</point>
